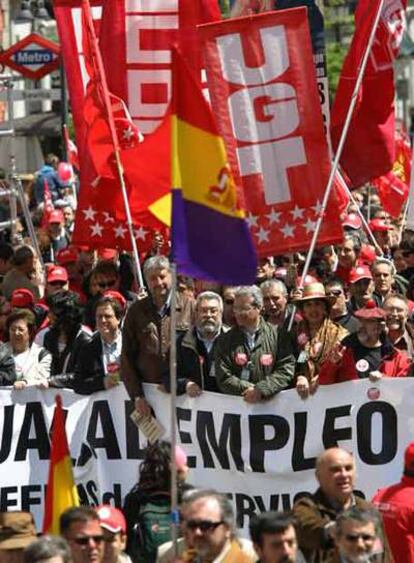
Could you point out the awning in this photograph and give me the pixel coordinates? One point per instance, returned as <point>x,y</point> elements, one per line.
<point>39,124</point>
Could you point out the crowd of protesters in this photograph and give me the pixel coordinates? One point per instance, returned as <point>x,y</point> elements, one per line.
<point>81,322</point>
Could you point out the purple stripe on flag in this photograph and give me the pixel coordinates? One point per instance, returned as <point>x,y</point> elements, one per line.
<point>210,245</point>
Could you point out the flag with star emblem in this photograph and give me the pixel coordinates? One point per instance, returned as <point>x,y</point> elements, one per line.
<point>210,237</point>
<point>262,84</point>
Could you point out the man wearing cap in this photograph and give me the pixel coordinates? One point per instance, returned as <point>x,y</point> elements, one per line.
<point>56,280</point>
<point>366,353</point>
<point>253,359</point>
<point>113,526</point>
<point>396,504</point>
<point>59,238</point>
<point>348,256</point>
<point>17,531</point>
<point>69,258</point>
<point>361,287</point>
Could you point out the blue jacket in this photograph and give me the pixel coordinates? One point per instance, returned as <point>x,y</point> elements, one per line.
<point>49,174</point>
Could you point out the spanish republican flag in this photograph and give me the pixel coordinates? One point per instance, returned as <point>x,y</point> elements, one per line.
<point>210,237</point>
<point>61,490</point>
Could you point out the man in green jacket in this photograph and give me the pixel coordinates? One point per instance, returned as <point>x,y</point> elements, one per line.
<point>254,359</point>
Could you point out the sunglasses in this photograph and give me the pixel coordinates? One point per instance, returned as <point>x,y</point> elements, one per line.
<point>84,540</point>
<point>356,537</point>
<point>203,525</point>
<point>107,285</point>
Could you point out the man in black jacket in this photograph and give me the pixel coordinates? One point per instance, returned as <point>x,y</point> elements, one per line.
<point>195,348</point>
<point>99,360</point>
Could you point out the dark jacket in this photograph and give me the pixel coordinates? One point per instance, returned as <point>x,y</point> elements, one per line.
<point>146,341</point>
<point>64,362</point>
<point>194,363</point>
<point>7,366</point>
<point>312,514</point>
<point>270,365</point>
<point>90,369</point>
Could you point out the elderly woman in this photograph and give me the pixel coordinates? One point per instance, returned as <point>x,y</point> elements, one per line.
<point>31,360</point>
<point>316,336</point>
<point>367,353</point>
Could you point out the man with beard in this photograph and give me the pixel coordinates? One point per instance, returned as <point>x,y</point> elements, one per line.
<point>316,514</point>
<point>275,303</point>
<point>146,331</point>
<point>400,331</point>
<point>195,348</point>
<point>356,537</point>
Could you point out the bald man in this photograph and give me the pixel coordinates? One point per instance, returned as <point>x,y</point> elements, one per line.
<point>316,514</point>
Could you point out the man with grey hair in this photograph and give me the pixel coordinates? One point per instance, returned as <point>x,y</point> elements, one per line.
<point>208,529</point>
<point>254,359</point>
<point>146,331</point>
<point>383,272</point>
<point>356,536</point>
<point>48,549</point>
<point>276,310</point>
<point>195,348</point>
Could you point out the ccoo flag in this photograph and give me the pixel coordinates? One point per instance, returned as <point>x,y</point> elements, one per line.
<point>210,237</point>
<point>61,490</point>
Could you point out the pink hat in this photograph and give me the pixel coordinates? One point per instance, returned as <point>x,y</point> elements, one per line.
<point>352,221</point>
<point>22,298</point>
<point>116,296</point>
<point>180,458</point>
<point>57,273</point>
<point>360,273</point>
<point>111,518</point>
<point>55,216</point>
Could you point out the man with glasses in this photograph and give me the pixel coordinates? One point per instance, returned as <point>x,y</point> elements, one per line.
<point>316,514</point>
<point>254,359</point>
<point>356,536</point>
<point>339,310</point>
<point>81,528</point>
<point>208,528</point>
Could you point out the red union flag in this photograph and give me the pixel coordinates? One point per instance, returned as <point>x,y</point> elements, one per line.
<point>263,89</point>
<point>369,149</point>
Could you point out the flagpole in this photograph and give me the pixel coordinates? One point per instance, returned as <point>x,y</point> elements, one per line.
<point>341,145</point>
<point>173,400</point>
<point>137,265</point>
<point>338,154</point>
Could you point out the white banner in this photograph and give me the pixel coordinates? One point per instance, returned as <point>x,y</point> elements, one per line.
<point>262,456</point>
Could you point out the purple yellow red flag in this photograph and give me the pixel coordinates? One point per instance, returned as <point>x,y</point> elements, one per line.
<point>210,237</point>
<point>61,492</point>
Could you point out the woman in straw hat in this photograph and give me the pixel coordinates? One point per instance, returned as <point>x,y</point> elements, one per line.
<point>316,336</point>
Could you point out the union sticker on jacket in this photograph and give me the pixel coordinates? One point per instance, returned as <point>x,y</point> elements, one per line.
<point>266,359</point>
<point>240,359</point>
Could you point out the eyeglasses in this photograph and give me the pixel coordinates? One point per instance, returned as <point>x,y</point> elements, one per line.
<point>203,525</point>
<point>356,537</point>
<point>84,540</point>
<point>107,285</point>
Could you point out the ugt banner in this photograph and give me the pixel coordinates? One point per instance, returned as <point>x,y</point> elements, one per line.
<point>263,456</point>
<point>263,90</point>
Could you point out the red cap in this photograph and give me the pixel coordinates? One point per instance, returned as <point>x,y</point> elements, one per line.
<point>116,296</point>
<point>370,312</point>
<point>379,225</point>
<point>22,298</point>
<point>353,221</point>
<point>111,518</point>
<point>55,216</point>
<point>66,256</point>
<point>409,457</point>
<point>57,273</point>
<point>367,254</point>
<point>107,253</point>
<point>360,273</point>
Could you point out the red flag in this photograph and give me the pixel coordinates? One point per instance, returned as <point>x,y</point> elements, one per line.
<point>341,192</point>
<point>48,204</point>
<point>369,149</point>
<point>394,186</point>
<point>71,149</point>
<point>263,88</point>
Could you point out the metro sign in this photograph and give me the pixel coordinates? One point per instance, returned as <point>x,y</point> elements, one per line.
<point>32,57</point>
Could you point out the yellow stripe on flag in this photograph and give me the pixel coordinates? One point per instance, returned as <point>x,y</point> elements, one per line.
<point>65,493</point>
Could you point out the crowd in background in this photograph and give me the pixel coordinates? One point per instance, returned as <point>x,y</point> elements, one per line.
<point>81,322</point>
